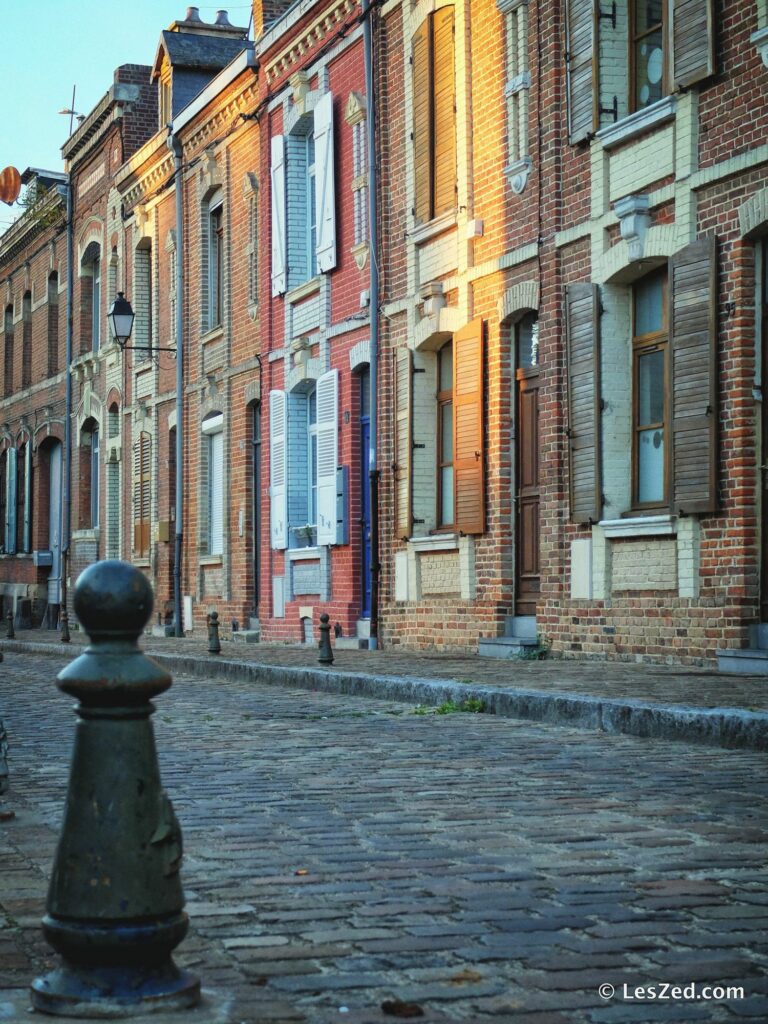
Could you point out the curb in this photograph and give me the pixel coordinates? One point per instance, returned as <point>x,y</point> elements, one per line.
<point>723,727</point>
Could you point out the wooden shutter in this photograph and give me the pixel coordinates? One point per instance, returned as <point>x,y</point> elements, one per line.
<point>327,391</point>
<point>279,252</point>
<point>28,496</point>
<point>693,36</point>
<point>583,328</point>
<point>422,127</point>
<point>325,194</point>
<point>468,453</point>
<point>142,466</point>
<point>10,503</point>
<point>278,469</point>
<point>444,118</point>
<point>694,377</point>
<point>403,374</point>
<point>580,26</point>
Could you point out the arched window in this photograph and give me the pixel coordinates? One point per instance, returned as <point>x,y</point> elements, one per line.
<point>90,299</point>
<point>53,324</point>
<point>89,474</point>
<point>142,301</point>
<point>215,225</point>
<point>24,498</point>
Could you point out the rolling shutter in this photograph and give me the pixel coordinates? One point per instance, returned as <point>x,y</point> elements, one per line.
<point>327,390</point>
<point>694,377</point>
<point>444,118</point>
<point>422,128</point>
<point>583,327</point>
<point>10,503</point>
<point>279,258</point>
<point>325,196</point>
<point>580,26</point>
<point>403,369</point>
<point>142,452</point>
<point>278,470</point>
<point>694,41</point>
<point>468,453</point>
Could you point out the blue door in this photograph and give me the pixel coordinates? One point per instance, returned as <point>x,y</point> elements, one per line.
<point>365,493</point>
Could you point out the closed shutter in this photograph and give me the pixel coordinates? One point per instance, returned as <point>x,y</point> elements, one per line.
<point>694,377</point>
<point>28,496</point>
<point>327,391</point>
<point>10,499</point>
<point>693,36</point>
<point>444,126</point>
<point>402,360</point>
<point>583,326</point>
<point>278,470</point>
<point>422,128</point>
<point>142,464</point>
<point>216,493</point>
<point>580,26</point>
<point>279,259</point>
<point>325,195</point>
<point>468,453</point>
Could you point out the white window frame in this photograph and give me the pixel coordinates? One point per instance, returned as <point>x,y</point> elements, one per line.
<point>213,433</point>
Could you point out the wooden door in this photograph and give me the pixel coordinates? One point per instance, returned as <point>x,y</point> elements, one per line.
<point>527,491</point>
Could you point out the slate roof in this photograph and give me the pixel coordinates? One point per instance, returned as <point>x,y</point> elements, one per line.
<point>197,50</point>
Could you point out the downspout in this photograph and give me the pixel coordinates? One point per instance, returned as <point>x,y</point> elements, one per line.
<point>175,145</point>
<point>66,517</point>
<point>373,468</point>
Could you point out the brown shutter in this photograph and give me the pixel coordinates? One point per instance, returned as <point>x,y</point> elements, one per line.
<point>581,49</point>
<point>583,325</point>
<point>694,41</point>
<point>468,454</point>
<point>694,377</point>
<point>402,360</point>
<point>422,128</point>
<point>444,130</point>
<point>142,451</point>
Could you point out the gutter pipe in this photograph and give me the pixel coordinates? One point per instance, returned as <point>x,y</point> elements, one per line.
<point>66,517</point>
<point>175,145</point>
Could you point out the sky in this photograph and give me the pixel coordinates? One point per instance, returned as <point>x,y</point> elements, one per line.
<point>49,46</point>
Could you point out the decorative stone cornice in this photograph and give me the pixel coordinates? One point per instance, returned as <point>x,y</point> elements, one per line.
<point>310,39</point>
<point>356,110</point>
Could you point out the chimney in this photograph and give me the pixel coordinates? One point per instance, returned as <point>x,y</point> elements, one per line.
<point>222,19</point>
<point>193,14</point>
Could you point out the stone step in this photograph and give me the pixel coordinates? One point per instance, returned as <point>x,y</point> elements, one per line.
<point>246,636</point>
<point>744,661</point>
<point>507,647</point>
<point>350,643</point>
<point>520,625</point>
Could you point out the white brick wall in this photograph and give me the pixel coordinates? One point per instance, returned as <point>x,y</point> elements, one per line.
<point>644,564</point>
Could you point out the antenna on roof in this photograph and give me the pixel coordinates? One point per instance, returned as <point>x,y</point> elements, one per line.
<point>71,111</point>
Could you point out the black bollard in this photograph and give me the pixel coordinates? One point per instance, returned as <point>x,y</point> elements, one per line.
<point>115,901</point>
<point>11,631</point>
<point>214,644</point>
<point>326,652</point>
<point>64,627</point>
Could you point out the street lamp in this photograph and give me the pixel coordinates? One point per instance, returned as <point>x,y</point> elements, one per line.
<point>121,317</point>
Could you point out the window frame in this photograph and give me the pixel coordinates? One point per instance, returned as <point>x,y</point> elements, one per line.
<point>96,302</point>
<point>213,427</point>
<point>94,462</point>
<point>3,498</point>
<point>641,345</point>
<point>312,474</point>
<point>633,37</point>
<point>444,400</point>
<point>216,261</point>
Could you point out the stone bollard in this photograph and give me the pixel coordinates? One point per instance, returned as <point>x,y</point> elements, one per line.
<point>11,631</point>
<point>214,644</point>
<point>65,639</point>
<point>115,901</point>
<point>326,652</point>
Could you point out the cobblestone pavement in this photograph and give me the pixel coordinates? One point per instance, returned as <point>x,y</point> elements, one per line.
<point>342,853</point>
<point>703,688</point>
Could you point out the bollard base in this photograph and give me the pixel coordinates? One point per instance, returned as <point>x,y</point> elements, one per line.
<point>110,992</point>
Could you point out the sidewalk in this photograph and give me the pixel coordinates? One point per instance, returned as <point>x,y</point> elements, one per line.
<point>695,705</point>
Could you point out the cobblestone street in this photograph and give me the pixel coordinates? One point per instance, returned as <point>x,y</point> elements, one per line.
<point>345,854</point>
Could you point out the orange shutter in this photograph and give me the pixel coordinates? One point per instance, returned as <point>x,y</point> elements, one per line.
<point>422,129</point>
<point>142,451</point>
<point>444,123</point>
<point>402,360</point>
<point>468,453</point>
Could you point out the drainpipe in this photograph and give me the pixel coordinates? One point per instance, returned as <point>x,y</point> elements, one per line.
<point>66,517</point>
<point>373,474</point>
<point>175,145</point>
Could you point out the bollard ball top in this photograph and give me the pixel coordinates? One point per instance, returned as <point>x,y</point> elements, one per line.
<point>113,598</point>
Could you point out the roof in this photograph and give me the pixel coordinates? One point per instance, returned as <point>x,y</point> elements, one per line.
<point>197,50</point>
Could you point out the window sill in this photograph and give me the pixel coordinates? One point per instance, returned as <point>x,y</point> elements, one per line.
<point>639,526</point>
<point>633,125</point>
<point>92,533</point>
<point>213,334</point>
<point>424,232</point>
<point>435,542</point>
<point>143,563</point>
<point>304,290</point>
<point>211,559</point>
<point>303,554</point>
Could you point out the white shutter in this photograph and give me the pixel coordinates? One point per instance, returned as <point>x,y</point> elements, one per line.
<point>327,455</point>
<point>325,195</point>
<point>216,493</point>
<point>10,502</point>
<point>279,260</point>
<point>278,469</point>
<point>28,496</point>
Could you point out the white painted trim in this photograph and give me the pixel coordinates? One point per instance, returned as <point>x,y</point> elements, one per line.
<point>639,526</point>
<point>435,542</point>
<point>636,124</point>
<point>303,554</point>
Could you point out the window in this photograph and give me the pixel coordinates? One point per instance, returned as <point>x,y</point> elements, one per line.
<point>24,498</point>
<point>142,493</point>
<point>94,493</point>
<point>90,299</point>
<point>142,301</point>
<point>434,116</point>
<point>213,454</point>
<point>445,436</point>
<point>527,342</point>
<point>8,361</point>
<point>215,262</point>
<point>647,52</point>
<point>312,458</point>
<point>649,386</point>
<point>3,500</point>
<point>26,340</point>
<point>53,324</point>
<point>96,304</point>
<point>516,92</point>
<point>253,240</point>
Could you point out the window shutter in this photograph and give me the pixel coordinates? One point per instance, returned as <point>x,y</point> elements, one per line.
<point>327,455</point>
<point>694,377</point>
<point>583,320</point>
<point>580,26</point>
<point>468,454</point>
<point>693,37</point>
<point>444,128</point>
<point>216,493</point>
<point>422,128</point>
<point>10,499</point>
<point>325,195</point>
<point>142,459</point>
<point>278,469</point>
<point>402,359</point>
<point>279,261</point>
<point>28,496</point>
